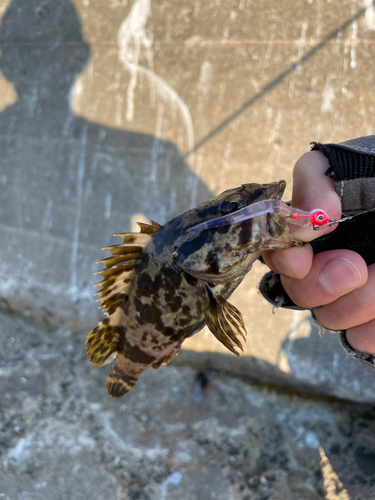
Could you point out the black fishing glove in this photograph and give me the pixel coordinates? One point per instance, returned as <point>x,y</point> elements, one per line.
<point>352,168</point>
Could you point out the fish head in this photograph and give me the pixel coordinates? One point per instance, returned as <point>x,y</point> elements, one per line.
<point>225,253</point>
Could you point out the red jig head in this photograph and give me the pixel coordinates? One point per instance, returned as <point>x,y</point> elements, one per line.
<point>318,218</point>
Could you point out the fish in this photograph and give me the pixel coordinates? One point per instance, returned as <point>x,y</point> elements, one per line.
<point>163,284</point>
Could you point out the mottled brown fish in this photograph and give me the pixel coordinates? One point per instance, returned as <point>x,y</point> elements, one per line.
<point>162,285</point>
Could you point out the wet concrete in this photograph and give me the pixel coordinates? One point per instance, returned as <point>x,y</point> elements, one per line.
<point>180,434</point>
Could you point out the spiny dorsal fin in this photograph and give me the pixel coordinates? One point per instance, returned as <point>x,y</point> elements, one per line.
<point>119,267</point>
<point>149,229</point>
<point>224,320</point>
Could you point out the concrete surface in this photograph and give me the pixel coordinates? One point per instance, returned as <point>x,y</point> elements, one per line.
<point>181,435</point>
<point>117,111</point>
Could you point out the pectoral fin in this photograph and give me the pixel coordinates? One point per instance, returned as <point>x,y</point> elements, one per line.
<point>224,320</point>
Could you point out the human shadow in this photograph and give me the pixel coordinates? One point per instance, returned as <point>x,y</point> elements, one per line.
<point>65,178</point>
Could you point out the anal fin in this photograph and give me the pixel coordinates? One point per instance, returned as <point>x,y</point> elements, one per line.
<point>119,383</point>
<point>166,359</point>
<point>224,320</point>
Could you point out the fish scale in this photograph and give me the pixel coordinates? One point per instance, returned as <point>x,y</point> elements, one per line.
<point>164,284</point>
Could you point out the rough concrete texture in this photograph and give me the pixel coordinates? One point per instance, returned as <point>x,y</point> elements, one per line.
<point>179,435</point>
<point>102,106</point>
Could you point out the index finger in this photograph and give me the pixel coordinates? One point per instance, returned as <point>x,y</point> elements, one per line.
<point>312,189</point>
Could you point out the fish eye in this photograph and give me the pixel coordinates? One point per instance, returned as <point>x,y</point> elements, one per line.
<point>233,206</point>
<point>320,217</point>
<point>229,206</point>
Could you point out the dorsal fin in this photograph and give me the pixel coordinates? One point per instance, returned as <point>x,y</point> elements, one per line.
<point>102,341</point>
<point>149,229</point>
<point>119,267</point>
<point>224,320</point>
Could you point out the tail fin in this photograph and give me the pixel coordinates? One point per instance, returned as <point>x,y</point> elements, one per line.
<point>119,383</point>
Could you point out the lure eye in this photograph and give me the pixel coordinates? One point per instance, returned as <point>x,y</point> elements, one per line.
<point>318,218</point>
<point>229,206</point>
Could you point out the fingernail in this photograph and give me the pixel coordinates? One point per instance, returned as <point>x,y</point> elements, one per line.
<point>339,276</point>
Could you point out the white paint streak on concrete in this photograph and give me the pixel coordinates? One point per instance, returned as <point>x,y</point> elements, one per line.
<point>220,99</point>
<point>67,124</point>
<point>225,166</point>
<point>203,87</point>
<point>47,219</point>
<point>180,138</point>
<point>269,116</point>
<point>88,190</point>
<point>368,125</point>
<point>319,29</point>
<point>353,59</point>
<point>167,171</point>
<point>33,101</point>
<point>156,143</point>
<point>119,104</point>
<point>118,98</point>
<point>301,44</point>
<point>205,77</point>
<point>273,138</point>
<point>312,94</point>
<point>328,98</point>
<point>173,200</point>
<point>94,163</point>
<point>369,15</point>
<point>195,181</point>
<point>267,57</point>
<point>133,41</point>
<point>77,220</point>
<point>107,206</point>
<point>345,59</point>
<point>196,10</point>
<point>335,362</point>
<point>225,34</point>
<point>291,88</point>
<point>76,94</point>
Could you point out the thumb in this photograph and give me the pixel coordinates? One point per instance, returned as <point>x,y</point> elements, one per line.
<point>312,189</point>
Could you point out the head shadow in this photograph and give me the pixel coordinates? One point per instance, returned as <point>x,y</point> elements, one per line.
<point>42,45</point>
<point>67,177</point>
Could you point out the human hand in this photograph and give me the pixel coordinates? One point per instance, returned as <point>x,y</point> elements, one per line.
<point>336,284</point>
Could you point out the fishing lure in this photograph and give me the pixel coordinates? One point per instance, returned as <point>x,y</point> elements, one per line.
<point>313,219</point>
